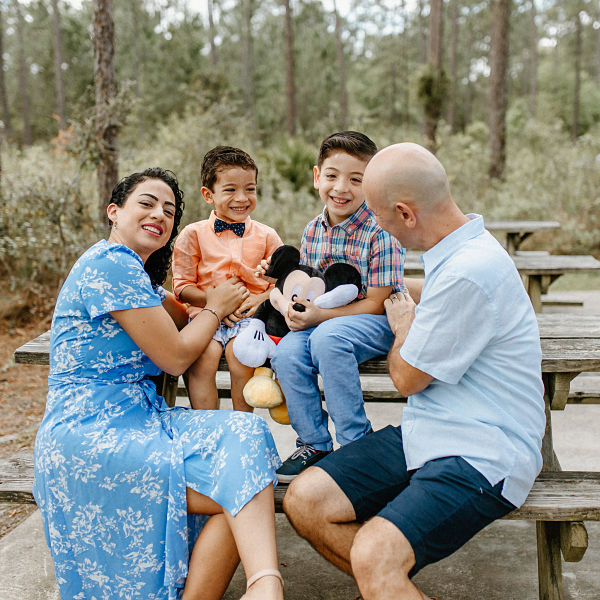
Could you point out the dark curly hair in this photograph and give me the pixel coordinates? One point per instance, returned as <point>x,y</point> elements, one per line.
<point>221,157</point>
<point>351,142</point>
<point>158,263</point>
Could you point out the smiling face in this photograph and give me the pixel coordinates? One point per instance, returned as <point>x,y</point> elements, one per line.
<point>233,194</point>
<point>145,222</point>
<point>339,181</point>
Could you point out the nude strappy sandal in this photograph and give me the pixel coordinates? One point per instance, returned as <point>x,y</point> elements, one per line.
<point>264,573</point>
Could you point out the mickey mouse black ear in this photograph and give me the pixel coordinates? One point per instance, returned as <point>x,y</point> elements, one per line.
<point>284,259</point>
<point>341,273</point>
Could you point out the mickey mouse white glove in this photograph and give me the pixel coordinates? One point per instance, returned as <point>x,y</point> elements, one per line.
<point>253,346</point>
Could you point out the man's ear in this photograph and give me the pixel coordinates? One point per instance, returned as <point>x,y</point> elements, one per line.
<point>316,175</point>
<point>207,194</point>
<point>406,213</point>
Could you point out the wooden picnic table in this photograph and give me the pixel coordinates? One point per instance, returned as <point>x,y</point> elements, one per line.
<point>570,346</point>
<point>537,270</point>
<point>514,233</point>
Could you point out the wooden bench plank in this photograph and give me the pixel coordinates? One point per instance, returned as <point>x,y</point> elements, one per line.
<point>585,388</point>
<point>16,479</point>
<point>561,496</point>
<point>376,388</point>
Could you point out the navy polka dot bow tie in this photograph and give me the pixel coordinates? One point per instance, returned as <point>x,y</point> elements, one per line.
<point>237,228</point>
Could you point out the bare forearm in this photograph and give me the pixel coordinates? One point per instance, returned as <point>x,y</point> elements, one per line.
<point>415,287</point>
<point>154,331</point>
<point>361,307</point>
<point>400,309</point>
<point>176,311</point>
<point>192,295</point>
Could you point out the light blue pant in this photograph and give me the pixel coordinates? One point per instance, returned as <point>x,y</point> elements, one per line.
<point>334,348</point>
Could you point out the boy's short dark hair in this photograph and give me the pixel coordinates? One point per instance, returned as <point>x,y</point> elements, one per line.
<point>221,157</point>
<point>352,142</point>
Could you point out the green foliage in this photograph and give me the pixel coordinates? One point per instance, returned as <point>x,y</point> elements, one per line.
<point>286,201</point>
<point>294,160</point>
<point>45,219</point>
<point>547,177</point>
<point>432,90</point>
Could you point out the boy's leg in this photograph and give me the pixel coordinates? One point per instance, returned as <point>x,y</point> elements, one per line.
<point>240,374</point>
<point>337,347</point>
<point>202,386</point>
<point>298,379</point>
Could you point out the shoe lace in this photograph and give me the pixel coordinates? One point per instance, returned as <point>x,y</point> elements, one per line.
<point>304,451</point>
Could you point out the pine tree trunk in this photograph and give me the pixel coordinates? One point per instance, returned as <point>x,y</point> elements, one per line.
<point>212,35</point>
<point>58,61</point>
<point>468,104</point>
<point>8,132</point>
<point>533,66</point>
<point>341,68</point>
<point>451,115</point>
<point>498,72</point>
<point>434,57</point>
<point>577,86</point>
<point>598,55</point>
<point>105,86</point>
<point>23,77</point>
<point>422,31</point>
<point>289,61</point>
<point>405,74</point>
<point>248,63</point>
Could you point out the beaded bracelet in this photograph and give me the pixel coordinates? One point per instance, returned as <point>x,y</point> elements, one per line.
<point>213,311</point>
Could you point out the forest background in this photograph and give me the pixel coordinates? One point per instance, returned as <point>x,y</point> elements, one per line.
<point>506,92</point>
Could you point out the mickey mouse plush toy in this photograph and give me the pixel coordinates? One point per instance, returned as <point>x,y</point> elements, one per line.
<point>338,286</point>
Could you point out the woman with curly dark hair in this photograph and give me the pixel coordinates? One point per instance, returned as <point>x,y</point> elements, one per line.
<point>120,478</point>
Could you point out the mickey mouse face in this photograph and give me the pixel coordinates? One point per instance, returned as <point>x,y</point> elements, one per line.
<point>299,285</point>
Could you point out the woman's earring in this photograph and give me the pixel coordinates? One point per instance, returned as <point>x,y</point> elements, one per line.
<point>114,225</point>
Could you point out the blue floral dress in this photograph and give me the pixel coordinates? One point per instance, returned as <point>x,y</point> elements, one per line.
<point>112,461</point>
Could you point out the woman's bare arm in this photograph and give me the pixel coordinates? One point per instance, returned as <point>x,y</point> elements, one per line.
<point>154,330</point>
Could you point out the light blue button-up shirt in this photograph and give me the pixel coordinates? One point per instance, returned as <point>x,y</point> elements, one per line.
<point>476,333</point>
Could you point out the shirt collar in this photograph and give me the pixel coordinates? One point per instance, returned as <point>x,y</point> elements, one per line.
<point>213,216</point>
<point>354,221</point>
<point>449,244</point>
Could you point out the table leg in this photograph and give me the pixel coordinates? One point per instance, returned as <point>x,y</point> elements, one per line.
<point>556,537</point>
<point>512,242</point>
<point>549,561</point>
<point>534,289</point>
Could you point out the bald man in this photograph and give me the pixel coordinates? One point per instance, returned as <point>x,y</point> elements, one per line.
<point>468,358</point>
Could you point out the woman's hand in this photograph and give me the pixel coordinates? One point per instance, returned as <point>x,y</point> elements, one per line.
<point>227,297</point>
<point>246,309</point>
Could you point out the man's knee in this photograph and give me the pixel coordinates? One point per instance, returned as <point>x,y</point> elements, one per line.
<point>300,500</point>
<point>379,544</point>
<point>313,498</point>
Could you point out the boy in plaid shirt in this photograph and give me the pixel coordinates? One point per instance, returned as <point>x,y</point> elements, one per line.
<point>335,341</point>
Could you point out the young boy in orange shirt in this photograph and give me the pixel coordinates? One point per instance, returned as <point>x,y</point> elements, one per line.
<point>206,253</point>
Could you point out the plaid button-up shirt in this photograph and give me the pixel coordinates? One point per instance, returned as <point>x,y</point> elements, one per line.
<point>359,241</point>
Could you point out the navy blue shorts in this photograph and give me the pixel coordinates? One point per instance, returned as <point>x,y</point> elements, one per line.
<point>438,507</point>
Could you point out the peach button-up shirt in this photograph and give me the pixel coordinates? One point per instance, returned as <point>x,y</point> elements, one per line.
<point>204,259</point>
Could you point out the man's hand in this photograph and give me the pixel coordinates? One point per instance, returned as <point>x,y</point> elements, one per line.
<point>311,317</point>
<point>400,312</point>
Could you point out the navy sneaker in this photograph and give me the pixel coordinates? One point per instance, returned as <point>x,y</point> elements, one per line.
<point>303,457</point>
